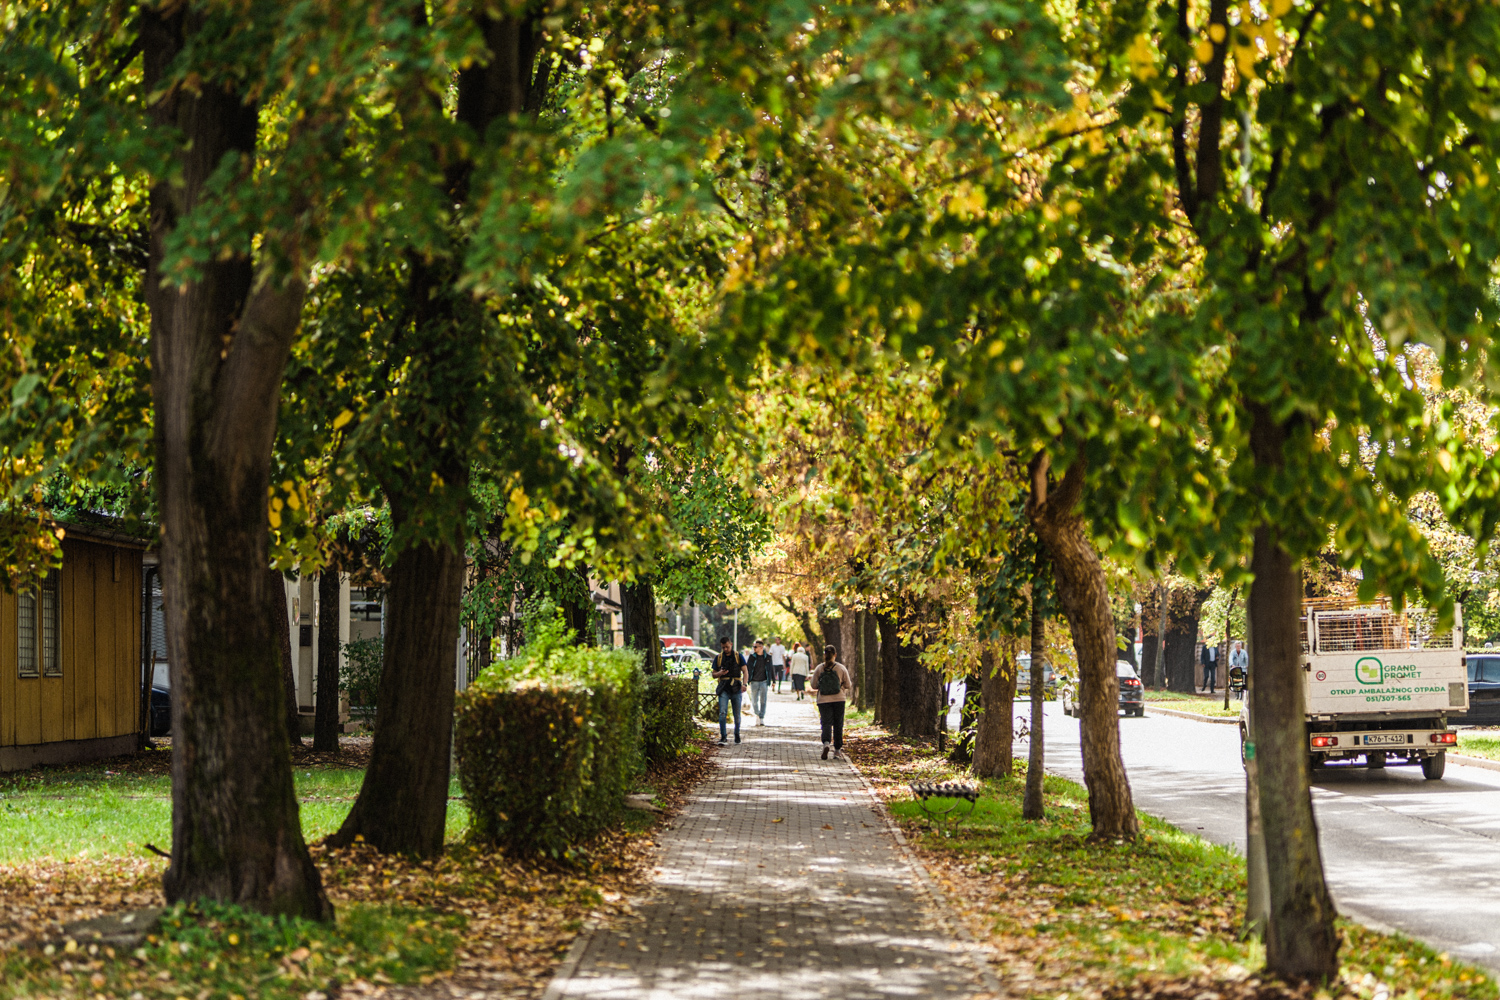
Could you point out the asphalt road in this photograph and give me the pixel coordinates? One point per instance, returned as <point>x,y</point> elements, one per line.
<point>1421,857</point>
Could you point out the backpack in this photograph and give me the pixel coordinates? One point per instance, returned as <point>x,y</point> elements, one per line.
<point>828,680</point>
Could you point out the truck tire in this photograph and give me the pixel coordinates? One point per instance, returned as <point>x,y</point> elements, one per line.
<point>1432,767</point>
<point>1375,761</point>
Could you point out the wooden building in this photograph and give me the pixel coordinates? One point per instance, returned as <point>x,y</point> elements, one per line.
<point>70,656</point>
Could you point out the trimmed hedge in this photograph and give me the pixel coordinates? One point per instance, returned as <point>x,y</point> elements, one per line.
<point>667,716</point>
<point>549,743</point>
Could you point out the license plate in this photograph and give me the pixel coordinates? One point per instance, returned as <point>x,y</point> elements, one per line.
<point>1378,741</point>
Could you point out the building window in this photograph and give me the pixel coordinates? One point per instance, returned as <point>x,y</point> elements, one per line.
<point>37,630</point>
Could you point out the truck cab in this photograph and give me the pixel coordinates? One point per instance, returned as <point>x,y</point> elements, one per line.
<point>1379,685</point>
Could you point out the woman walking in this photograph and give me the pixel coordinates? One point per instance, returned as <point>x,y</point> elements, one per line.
<point>799,670</point>
<point>832,683</point>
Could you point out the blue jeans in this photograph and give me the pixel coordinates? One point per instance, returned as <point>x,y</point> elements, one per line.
<point>758,692</point>
<point>726,699</point>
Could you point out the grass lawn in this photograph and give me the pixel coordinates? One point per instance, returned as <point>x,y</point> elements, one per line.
<point>1200,704</point>
<point>1158,917</point>
<point>70,849</point>
<point>94,812</point>
<point>1479,743</point>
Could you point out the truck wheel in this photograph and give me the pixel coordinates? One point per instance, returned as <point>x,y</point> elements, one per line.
<point>1375,761</point>
<point>1432,767</point>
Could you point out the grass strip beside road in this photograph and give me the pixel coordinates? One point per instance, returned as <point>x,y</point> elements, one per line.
<point>1479,743</point>
<point>1156,918</point>
<point>1198,704</point>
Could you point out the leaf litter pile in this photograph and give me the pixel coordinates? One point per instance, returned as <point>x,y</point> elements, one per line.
<point>1159,918</point>
<point>508,920</point>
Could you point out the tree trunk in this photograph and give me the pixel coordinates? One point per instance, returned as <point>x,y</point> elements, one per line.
<point>889,706</point>
<point>402,806</point>
<point>920,691</point>
<point>1301,940</point>
<point>1149,661</point>
<point>1186,609</point>
<point>871,646</point>
<point>830,629</point>
<point>1084,596</point>
<point>219,346</point>
<point>638,614</point>
<point>1032,806</point>
<point>848,649</point>
<point>995,739</point>
<point>326,711</point>
<point>281,620</point>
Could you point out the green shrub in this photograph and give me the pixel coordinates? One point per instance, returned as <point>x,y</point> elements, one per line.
<point>360,675</point>
<point>667,716</point>
<point>549,742</point>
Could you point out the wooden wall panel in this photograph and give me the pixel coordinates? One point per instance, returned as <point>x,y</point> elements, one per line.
<point>7,669</point>
<point>94,631</point>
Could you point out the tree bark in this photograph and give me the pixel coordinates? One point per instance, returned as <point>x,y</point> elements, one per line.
<point>1084,596</point>
<point>219,347</point>
<point>638,614</point>
<point>1301,940</point>
<point>403,803</point>
<point>281,620</point>
<point>890,671</point>
<point>1149,661</point>
<point>830,629</point>
<point>920,691</point>
<point>995,739</point>
<point>871,632</point>
<point>1186,610</point>
<point>1032,805</point>
<point>326,708</point>
<point>848,649</point>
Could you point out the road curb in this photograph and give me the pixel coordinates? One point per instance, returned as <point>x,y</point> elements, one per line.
<point>1189,715</point>
<point>1467,761</point>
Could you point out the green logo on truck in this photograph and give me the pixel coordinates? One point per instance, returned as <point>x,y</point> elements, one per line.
<point>1369,670</point>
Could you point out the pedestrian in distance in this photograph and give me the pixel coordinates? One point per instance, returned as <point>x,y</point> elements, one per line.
<point>1239,667</point>
<point>799,667</point>
<point>1210,660</point>
<point>778,660</point>
<point>759,670</point>
<point>729,668</point>
<point>832,683</point>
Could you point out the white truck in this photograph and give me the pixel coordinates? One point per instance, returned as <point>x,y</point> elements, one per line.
<point>1379,685</point>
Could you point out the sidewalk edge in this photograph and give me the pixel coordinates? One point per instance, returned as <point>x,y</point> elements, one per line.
<point>978,952</point>
<point>1196,717</point>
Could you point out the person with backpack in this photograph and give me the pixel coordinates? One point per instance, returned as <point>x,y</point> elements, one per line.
<point>760,670</point>
<point>832,682</point>
<point>729,668</point>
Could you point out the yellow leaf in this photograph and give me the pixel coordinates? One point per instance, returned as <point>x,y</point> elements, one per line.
<point>342,419</point>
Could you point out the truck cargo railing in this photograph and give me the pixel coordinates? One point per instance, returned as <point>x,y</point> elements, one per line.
<point>1373,629</point>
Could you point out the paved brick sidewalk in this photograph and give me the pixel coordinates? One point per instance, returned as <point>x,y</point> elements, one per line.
<point>779,880</point>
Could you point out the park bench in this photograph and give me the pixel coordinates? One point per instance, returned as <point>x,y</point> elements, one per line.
<point>954,793</point>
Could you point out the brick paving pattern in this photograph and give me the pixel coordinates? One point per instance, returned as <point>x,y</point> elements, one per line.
<point>779,879</point>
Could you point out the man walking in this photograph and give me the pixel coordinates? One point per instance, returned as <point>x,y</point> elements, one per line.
<point>729,668</point>
<point>832,683</point>
<point>778,660</point>
<point>758,670</point>
<point>1210,660</point>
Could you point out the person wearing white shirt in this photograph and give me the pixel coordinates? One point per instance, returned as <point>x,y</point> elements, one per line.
<point>778,660</point>
<point>799,666</point>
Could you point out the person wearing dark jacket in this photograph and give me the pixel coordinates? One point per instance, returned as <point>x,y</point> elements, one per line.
<point>1210,660</point>
<point>761,671</point>
<point>729,668</point>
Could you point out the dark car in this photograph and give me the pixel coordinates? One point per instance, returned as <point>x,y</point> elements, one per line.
<point>1484,691</point>
<point>161,711</point>
<point>1132,693</point>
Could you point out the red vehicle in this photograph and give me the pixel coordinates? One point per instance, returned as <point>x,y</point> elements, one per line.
<point>677,640</point>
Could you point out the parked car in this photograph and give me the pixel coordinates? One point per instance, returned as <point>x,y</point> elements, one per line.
<point>1132,692</point>
<point>1023,678</point>
<point>161,711</point>
<point>686,659</point>
<point>1484,691</point>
